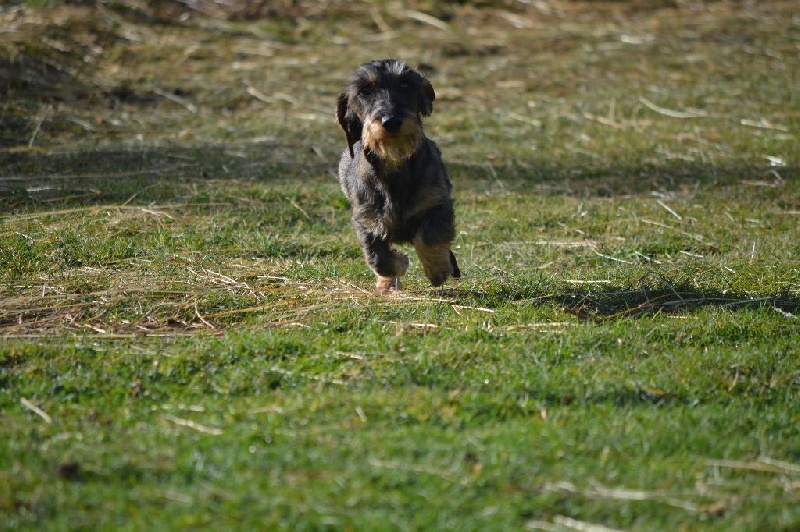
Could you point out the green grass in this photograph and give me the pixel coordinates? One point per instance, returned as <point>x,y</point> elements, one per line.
<point>189,337</point>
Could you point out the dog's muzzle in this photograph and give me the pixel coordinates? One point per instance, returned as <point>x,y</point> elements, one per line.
<point>393,138</point>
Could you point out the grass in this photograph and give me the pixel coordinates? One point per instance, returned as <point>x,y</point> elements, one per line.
<point>189,336</point>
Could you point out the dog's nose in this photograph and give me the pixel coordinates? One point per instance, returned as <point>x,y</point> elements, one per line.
<point>392,123</point>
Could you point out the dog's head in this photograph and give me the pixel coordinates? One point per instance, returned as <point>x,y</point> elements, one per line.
<point>382,105</point>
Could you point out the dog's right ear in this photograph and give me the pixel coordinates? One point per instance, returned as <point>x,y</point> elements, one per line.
<point>349,122</point>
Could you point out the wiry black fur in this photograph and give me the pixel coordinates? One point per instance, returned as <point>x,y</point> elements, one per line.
<point>394,201</point>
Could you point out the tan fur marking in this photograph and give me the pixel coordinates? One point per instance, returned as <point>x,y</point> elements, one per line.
<point>392,148</point>
<point>435,260</point>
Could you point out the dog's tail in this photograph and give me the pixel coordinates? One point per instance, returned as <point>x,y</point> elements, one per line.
<point>456,271</point>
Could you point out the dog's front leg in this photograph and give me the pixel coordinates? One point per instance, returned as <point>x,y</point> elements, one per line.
<point>388,264</point>
<point>432,243</point>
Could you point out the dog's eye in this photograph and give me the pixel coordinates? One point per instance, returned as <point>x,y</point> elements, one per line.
<point>366,90</point>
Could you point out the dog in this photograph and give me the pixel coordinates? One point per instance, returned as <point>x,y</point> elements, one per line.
<point>393,175</point>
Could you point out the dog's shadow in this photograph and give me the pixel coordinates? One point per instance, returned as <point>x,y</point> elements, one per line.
<point>619,302</point>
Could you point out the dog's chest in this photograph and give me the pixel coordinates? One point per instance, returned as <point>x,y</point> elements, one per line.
<point>389,203</point>
<point>384,210</point>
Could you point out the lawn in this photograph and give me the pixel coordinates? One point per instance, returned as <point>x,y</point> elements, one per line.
<point>189,333</point>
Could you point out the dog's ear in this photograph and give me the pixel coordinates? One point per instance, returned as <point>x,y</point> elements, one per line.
<point>427,95</point>
<point>348,121</point>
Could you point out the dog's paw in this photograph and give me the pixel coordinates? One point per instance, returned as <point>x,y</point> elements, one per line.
<point>438,279</point>
<point>437,261</point>
<point>387,285</point>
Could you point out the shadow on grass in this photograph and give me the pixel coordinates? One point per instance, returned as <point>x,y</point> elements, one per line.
<point>29,81</point>
<point>611,303</point>
<point>618,178</point>
<point>607,305</point>
<point>42,180</point>
<point>30,180</point>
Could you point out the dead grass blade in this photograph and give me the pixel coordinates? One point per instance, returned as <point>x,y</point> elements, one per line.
<point>762,465</point>
<point>36,410</point>
<point>671,112</point>
<point>562,522</point>
<point>598,491</point>
<point>188,423</point>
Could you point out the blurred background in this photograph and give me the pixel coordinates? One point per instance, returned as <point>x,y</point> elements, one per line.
<point>633,91</point>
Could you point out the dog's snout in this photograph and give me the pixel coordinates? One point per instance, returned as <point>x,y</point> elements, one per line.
<point>392,123</point>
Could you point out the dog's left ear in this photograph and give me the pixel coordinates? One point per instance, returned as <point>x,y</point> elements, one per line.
<point>427,95</point>
<point>349,122</point>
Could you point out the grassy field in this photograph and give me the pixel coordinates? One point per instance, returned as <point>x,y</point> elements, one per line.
<point>189,337</point>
